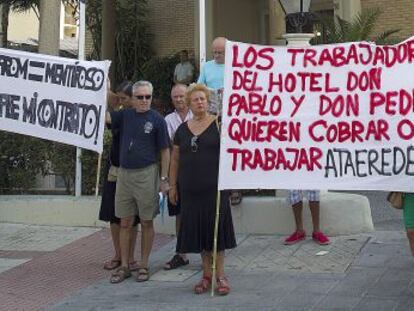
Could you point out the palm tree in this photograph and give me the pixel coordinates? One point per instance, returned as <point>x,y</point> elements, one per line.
<point>361,28</point>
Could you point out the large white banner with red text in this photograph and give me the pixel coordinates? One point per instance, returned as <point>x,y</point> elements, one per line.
<point>322,117</point>
<point>54,98</point>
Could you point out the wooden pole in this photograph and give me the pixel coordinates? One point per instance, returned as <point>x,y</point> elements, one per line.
<point>216,223</point>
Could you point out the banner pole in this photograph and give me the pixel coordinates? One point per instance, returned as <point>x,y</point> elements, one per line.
<point>216,223</point>
<point>81,56</point>
<point>98,174</point>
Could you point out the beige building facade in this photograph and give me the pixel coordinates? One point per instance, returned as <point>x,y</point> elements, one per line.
<point>25,26</point>
<point>174,23</point>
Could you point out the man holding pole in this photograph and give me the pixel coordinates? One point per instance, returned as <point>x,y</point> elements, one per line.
<point>182,113</point>
<point>143,137</point>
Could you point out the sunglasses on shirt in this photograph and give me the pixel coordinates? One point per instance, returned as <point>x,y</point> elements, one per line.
<point>193,143</point>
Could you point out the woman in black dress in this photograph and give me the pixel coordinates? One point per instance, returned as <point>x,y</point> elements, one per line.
<point>194,165</point>
<point>107,211</point>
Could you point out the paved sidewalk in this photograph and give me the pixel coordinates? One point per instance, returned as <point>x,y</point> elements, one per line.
<point>363,272</point>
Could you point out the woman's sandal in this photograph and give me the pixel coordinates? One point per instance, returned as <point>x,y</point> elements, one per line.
<point>120,275</point>
<point>111,264</point>
<point>223,286</point>
<point>142,275</point>
<point>175,262</point>
<point>203,286</point>
<point>133,265</point>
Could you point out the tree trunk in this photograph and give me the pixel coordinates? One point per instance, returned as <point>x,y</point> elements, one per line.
<point>49,27</point>
<point>109,33</point>
<point>4,24</point>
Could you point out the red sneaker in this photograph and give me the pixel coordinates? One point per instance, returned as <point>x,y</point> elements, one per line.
<point>295,237</point>
<point>320,238</point>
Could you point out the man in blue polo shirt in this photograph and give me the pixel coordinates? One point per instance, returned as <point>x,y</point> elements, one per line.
<point>212,75</point>
<point>144,137</point>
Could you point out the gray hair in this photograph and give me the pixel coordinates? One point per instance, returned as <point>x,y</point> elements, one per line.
<point>142,83</point>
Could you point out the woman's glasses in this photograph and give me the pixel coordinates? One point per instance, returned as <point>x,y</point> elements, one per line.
<point>193,143</point>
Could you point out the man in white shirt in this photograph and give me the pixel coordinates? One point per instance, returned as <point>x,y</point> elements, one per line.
<point>184,70</point>
<point>181,114</point>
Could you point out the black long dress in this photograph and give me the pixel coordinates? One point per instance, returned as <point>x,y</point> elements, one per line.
<point>107,211</point>
<point>198,179</point>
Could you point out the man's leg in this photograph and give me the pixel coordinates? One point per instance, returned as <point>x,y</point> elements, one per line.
<point>317,235</point>
<point>314,209</point>
<point>147,227</point>
<point>125,238</point>
<point>295,199</point>
<point>123,271</point>
<point>133,240</point>
<point>147,238</point>
<point>297,212</point>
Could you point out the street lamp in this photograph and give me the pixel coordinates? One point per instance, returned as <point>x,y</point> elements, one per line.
<point>297,12</point>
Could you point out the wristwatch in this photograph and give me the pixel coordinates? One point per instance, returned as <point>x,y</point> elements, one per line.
<point>164,179</point>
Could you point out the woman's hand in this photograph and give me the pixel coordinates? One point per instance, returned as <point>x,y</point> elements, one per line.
<point>173,195</point>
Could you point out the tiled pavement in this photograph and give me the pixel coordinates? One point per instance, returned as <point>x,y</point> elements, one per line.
<point>361,272</point>
<point>43,265</point>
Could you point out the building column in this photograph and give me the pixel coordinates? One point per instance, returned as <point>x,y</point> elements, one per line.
<point>277,23</point>
<point>209,29</point>
<point>347,9</point>
<point>49,27</point>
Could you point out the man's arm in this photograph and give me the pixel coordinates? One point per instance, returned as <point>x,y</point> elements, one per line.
<point>202,77</point>
<point>165,164</point>
<point>108,119</point>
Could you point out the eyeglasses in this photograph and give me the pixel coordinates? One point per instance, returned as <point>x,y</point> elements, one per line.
<point>193,143</point>
<point>141,97</point>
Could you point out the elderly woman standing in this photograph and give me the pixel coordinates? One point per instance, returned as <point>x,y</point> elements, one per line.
<point>194,165</point>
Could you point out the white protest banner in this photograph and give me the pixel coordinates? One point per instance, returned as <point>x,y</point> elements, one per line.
<point>323,117</point>
<point>54,98</point>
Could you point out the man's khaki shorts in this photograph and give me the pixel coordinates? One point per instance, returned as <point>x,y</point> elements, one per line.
<point>137,193</point>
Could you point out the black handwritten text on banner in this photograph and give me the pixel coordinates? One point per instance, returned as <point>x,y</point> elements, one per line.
<point>322,117</point>
<point>53,98</point>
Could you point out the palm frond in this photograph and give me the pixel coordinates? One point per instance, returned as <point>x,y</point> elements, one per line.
<point>361,28</point>
<point>384,37</point>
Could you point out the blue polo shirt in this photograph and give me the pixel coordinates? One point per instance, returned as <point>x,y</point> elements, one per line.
<point>143,136</point>
<point>212,75</point>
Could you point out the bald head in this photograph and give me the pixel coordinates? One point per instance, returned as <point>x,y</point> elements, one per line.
<point>218,48</point>
<point>178,97</point>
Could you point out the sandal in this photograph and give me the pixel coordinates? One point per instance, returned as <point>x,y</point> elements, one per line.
<point>133,265</point>
<point>120,275</point>
<point>175,262</point>
<point>203,286</point>
<point>111,264</point>
<point>142,275</point>
<point>223,286</point>
<point>236,198</point>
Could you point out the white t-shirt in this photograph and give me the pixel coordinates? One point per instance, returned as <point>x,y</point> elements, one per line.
<point>183,71</point>
<point>174,121</point>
